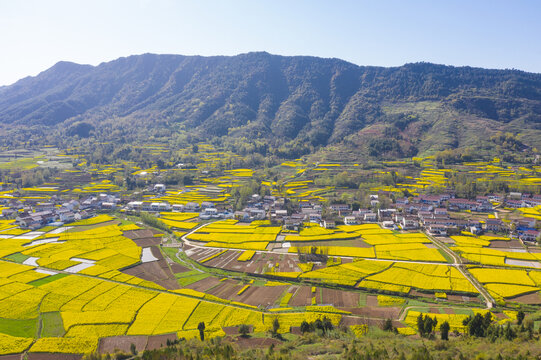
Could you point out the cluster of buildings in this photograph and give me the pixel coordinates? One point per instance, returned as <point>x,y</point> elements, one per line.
<point>34,213</point>
<point>429,212</point>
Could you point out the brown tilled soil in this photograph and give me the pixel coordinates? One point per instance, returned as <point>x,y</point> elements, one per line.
<point>226,287</point>
<point>421,294</point>
<point>203,253</point>
<point>529,299</point>
<point>261,295</point>
<point>371,300</point>
<point>513,243</point>
<point>158,341</point>
<point>352,320</point>
<point>146,242</point>
<point>255,342</point>
<point>204,284</point>
<point>11,357</point>
<point>43,356</point>
<point>302,297</point>
<point>448,311</point>
<point>223,260</point>
<point>289,264</point>
<point>231,330</point>
<point>122,343</point>
<point>177,268</point>
<point>375,312</point>
<point>156,271</point>
<point>138,234</point>
<point>340,298</point>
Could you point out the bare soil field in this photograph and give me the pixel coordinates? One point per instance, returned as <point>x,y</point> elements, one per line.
<point>142,237</point>
<point>340,298</point>
<point>505,244</point>
<point>226,289</point>
<point>421,294</point>
<point>204,284</point>
<point>261,295</point>
<point>177,268</point>
<point>199,254</point>
<point>44,356</point>
<point>375,312</point>
<point>529,299</point>
<point>254,342</point>
<point>302,297</point>
<point>156,271</point>
<point>158,341</point>
<point>11,357</point>
<point>371,300</point>
<point>122,343</point>
<point>223,261</point>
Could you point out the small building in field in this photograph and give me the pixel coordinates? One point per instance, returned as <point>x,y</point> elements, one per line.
<point>328,224</point>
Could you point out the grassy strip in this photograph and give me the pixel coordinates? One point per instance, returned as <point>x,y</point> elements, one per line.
<point>47,280</point>
<point>17,257</point>
<point>52,324</point>
<point>185,281</point>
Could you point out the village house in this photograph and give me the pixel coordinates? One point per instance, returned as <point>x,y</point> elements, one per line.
<point>529,235</point>
<point>328,224</point>
<point>494,225</point>
<point>370,217</point>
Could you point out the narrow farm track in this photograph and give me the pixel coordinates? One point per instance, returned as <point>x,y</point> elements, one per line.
<point>457,263</point>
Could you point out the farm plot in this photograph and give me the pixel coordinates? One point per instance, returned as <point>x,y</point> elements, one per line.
<point>91,308</point>
<point>499,257</point>
<point>156,271</point>
<point>227,234</point>
<point>508,283</point>
<point>103,246</point>
<point>383,244</point>
<point>425,277</point>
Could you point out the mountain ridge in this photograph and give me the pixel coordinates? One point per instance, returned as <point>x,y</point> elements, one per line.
<point>299,101</point>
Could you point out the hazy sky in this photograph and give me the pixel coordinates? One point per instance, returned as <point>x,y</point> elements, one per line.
<point>485,33</point>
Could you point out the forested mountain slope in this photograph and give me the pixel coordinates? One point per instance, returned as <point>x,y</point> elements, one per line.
<point>300,102</point>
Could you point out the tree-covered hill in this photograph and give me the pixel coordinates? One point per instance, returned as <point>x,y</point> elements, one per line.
<point>298,103</point>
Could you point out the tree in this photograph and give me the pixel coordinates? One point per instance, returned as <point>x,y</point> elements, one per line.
<point>388,325</point>
<point>421,325</point>
<point>201,328</point>
<point>133,349</point>
<point>520,317</point>
<point>509,333</point>
<point>327,324</point>
<point>444,328</point>
<point>478,325</point>
<point>244,330</point>
<point>275,326</point>
<point>318,324</point>
<point>305,327</point>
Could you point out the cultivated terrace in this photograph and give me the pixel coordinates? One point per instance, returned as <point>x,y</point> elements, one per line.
<point>136,248</point>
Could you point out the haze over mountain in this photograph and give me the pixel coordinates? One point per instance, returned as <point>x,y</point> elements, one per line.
<point>298,101</point>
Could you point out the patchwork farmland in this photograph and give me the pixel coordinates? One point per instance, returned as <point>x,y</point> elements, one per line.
<point>114,266</point>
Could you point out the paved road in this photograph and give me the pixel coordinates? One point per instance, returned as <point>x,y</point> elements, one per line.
<point>457,263</point>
